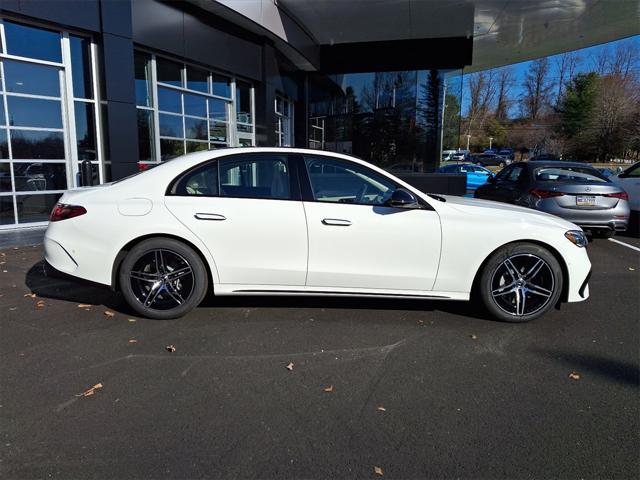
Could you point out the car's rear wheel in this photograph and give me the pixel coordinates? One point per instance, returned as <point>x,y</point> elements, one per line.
<point>163,278</point>
<point>520,282</point>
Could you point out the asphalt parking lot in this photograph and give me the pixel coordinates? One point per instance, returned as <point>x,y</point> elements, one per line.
<point>418,389</point>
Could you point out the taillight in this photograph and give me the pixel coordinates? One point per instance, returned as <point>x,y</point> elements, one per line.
<point>63,211</point>
<point>143,166</point>
<point>539,193</point>
<point>620,195</point>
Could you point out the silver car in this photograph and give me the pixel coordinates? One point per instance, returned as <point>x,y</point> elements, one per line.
<point>574,191</point>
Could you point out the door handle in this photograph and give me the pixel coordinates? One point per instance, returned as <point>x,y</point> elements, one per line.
<point>336,222</point>
<point>210,216</point>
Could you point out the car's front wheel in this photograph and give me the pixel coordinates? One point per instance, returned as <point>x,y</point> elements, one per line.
<point>520,282</point>
<point>163,278</point>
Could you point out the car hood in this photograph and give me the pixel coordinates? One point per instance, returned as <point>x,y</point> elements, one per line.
<point>505,211</point>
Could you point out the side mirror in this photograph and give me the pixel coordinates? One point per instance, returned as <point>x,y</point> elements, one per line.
<point>402,198</point>
<point>491,179</point>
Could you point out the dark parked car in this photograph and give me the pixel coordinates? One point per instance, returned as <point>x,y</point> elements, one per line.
<point>545,157</point>
<point>574,191</point>
<point>488,159</point>
<point>506,153</point>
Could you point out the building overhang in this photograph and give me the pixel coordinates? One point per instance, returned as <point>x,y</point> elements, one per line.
<point>315,34</point>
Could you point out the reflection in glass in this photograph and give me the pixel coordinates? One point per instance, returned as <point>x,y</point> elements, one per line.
<point>197,79</point>
<point>5,177</point>
<point>243,102</point>
<point>195,128</point>
<point>81,66</point>
<point>23,77</point>
<point>2,119</point>
<point>4,147</point>
<point>85,131</point>
<point>218,132</point>
<point>197,146</point>
<point>171,126</point>
<point>145,135</point>
<point>32,42</point>
<point>221,86</point>
<point>195,105</point>
<point>6,210</point>
<point>170,149</point>
<point>95,174</point>
<point>169,100</point>
<point>245,128</point>
<point>218,109</point>
<point>142,69</point>
<point>40,176</point>
<point>34,112</point>
<point>245,142</point>
<point>32,144</point>
<point>169,72</point>
<point>35,208</point>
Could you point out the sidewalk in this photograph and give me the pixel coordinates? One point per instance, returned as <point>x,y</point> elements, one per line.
<point>21,237</point>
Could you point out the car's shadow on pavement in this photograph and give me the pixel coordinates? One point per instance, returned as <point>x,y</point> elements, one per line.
<point>46,282</point>
<point>614,370</point>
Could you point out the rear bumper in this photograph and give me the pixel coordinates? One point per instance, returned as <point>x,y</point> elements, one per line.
<point>615,218</point>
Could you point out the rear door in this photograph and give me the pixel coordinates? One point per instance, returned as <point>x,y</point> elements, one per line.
<point>246,209</point>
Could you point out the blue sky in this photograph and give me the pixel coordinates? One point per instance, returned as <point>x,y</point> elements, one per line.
<point>586,64</point>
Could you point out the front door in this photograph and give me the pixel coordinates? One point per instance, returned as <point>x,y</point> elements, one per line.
<point>244,208</point>
<point>356,241</point>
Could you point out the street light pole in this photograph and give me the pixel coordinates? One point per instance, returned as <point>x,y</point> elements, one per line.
<point>468,138</point>
<point>490,140</point>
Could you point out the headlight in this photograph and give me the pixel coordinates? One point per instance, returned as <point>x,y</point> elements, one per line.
<point>577,237</point>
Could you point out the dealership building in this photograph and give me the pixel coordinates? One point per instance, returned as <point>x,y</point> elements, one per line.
<point>127,83</point>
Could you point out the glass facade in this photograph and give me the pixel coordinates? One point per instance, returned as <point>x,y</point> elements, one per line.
<point>48,121</point>
<point>184,108</point>
<point>284,121</point>
<point>391,119</point>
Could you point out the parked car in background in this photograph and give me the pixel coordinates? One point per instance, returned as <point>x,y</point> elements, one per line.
<point>447,155</point>
<point>492,151</point>
<point>574,191</point>
<point>476,175</point>
<point>506,153</point>
<point>489,159</point>
<point>283,221</point>
<point>629,180</point>
<point>460,155</point>
<point>544,156</point>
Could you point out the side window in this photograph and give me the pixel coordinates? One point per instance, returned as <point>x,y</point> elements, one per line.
<point>335,180</point>
<point>504,173</point>
<point>255,176</point>
<point>514,175</point>
<point>200,181</point>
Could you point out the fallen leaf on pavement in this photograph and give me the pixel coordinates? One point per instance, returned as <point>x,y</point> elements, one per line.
<point>40,304</point>
<point>473,337</point>
<point>574,376</point>
<point>109,313</point>
<point>378,471</point>
<point>131,320</point>
<point>133,340</point>
<point>290,366</point>
<point>328,389</point>
<point>90,391</point>
<point>171,348</point>
<point>30,295</point>
<point>381,408</point>
<point>84,305</point>
<point>632,269</point>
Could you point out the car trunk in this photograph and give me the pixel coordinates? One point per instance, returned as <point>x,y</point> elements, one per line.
<point>581,196</point>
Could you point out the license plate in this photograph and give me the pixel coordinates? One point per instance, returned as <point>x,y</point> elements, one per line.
<point>586,200</point>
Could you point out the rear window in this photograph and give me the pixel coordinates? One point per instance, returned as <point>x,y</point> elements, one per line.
<point>569,174</point>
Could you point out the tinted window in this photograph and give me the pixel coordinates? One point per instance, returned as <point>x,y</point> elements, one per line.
<point>30,78</point>
<point>201,181</point>
<point>32,42</point>
<point>263,176</point>
<point>514,175</point>
<point>504,173</point>
<point>569,174</point>
<point>334,180</point>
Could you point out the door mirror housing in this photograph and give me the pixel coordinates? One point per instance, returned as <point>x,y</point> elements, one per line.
<point>402,198</point>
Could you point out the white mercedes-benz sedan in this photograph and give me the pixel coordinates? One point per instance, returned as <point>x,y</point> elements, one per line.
<point>274,221</point>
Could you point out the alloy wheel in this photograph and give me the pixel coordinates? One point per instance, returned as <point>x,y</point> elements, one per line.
<point>522,284</point>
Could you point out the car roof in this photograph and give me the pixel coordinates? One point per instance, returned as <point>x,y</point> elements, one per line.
<point>556,163</point>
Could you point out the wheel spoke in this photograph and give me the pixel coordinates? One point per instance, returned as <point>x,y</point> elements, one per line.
<point>173,292</point>
<point>533,271</point>
<point>144,276</point>
<point>503,290</point>
<point>511,268</point>
<point>520,301</point>
<point>154,291</point>
<point>538,290</point>
<point>181,272</point>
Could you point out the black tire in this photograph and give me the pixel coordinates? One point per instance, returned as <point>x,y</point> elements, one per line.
<point>176,277</point>
<point>512,290</point>
<point>604,233</point>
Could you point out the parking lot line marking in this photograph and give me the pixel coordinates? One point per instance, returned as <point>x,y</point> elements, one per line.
<point>624,244</point>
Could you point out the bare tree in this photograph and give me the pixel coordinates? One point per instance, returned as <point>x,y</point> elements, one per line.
<point>566,65</point>
<point>481,93</point>
<point>621,61</point>
<point>503,100</point>
<point>537,87</point>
